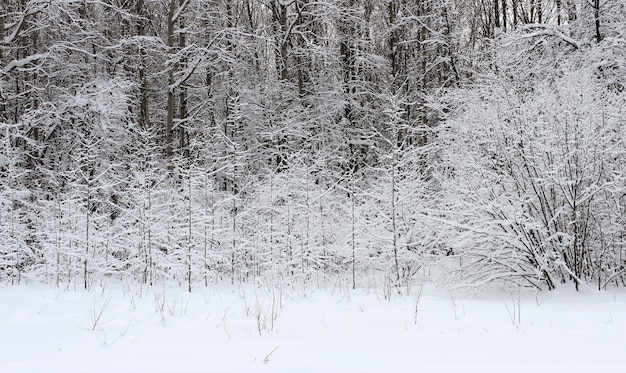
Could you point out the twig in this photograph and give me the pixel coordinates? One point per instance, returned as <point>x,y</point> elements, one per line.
<point>267,358</point>
<point>97,314</point>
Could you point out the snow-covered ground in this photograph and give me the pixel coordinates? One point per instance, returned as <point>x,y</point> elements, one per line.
<point>266,329</point>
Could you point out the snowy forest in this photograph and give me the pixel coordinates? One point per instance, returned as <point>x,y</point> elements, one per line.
<point>466,142</point>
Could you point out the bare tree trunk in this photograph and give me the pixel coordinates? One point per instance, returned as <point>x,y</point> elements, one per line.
<point>170,82</point>
<point>280,14</point>
<point>182,132</point>
<point>496,12</point>
<point>2,15</point>
<point>504,14</point>
<point>393,39</point>
<point>144,116</point>
<point>596,18</point>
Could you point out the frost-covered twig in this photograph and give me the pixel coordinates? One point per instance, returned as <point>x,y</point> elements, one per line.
<point>98,312</point>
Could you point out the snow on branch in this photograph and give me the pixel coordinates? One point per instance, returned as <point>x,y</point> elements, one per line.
<point>538,30</point>
<point>21,63</point>
<point>180,10</point>
<point>32,8</point>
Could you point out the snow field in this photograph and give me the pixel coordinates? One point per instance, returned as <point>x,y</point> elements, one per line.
<point>265,329</point>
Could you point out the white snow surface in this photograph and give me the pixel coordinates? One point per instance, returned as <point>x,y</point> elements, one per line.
<point>115,329</point>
